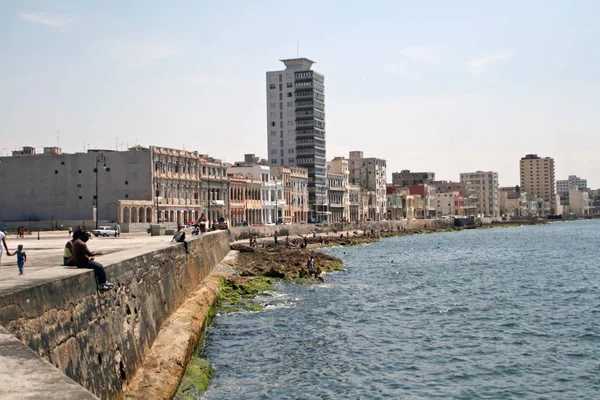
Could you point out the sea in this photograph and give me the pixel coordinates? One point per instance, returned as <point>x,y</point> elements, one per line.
<point>504,313</point>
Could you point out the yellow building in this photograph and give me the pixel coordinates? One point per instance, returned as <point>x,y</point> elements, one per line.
<point>537,179</point>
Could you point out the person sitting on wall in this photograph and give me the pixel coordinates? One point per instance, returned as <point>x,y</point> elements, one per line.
<point>202,224</point>
<point>179,237</point>
<point>68,259</point>
<point>84,258</point>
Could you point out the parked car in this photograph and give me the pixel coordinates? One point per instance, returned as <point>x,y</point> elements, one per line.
<point>104,231</point>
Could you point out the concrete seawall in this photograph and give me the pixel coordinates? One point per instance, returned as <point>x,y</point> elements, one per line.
<point>100,340</point>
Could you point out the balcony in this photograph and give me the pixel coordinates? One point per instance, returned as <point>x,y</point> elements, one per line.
<point>217,202</point>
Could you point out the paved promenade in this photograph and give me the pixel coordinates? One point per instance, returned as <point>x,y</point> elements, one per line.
<point>45,256</point>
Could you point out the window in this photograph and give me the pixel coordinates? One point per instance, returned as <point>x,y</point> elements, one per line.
<point>281,134</point>
<point>280,96</point>
<point>272,86</point>
<point>79,185</point>
<point>290,94</point>
<point>273,133</point>
<point>289,84</point>
<point>291,151</point>
<point>107,169</point>
<point>273,105</point>
<point>126,196</point>
<point>290,103</point>
<point>290,123</point>
<point>291,160</point>
<point>56,171</point>
<point>79,171</point>
<point>273,123</point>
<point>80,197</point>
<point>62,163</point>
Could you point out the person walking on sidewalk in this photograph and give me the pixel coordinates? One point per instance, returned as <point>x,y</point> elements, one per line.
<point>21,258</point>
<point>84,258</point>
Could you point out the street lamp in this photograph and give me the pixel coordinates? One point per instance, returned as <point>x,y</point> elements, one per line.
<point>157,209</point>
<point>99,159</point>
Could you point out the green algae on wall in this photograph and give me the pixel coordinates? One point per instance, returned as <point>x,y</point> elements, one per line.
<point>239,295</point>
<point>196,379</point>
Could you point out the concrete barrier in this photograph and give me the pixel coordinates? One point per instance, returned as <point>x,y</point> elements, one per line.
<point>99,340</point>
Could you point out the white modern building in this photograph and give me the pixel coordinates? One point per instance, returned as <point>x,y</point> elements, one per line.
<point>296,126</point>
<point>563,186</point>
<point>485,187</point>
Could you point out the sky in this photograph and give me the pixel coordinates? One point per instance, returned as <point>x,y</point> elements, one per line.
<point>438,86</point>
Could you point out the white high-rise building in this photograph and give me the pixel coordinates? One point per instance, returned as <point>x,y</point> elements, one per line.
<point>296,127</point>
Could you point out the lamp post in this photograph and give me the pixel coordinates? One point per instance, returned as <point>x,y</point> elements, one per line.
<point>157,209</point>
<point>99,159</point>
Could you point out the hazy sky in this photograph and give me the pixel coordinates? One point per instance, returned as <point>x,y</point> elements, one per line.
<point>440,86</point>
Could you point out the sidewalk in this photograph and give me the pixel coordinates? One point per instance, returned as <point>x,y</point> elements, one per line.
<point>45,256</point>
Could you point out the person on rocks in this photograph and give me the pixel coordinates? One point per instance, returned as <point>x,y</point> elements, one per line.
<point>275,238</point>
<point>84,258</point>
<point>310,264</point>
<point>118,230</point>
<point>319,274</point>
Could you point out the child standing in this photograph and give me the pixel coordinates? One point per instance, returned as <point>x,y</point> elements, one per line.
<point>21,258</point>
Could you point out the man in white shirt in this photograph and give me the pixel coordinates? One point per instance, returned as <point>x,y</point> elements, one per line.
<point>2,237</point>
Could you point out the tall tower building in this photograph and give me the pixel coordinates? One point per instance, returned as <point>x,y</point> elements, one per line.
<point>296,127</point>
<point>537,178</point>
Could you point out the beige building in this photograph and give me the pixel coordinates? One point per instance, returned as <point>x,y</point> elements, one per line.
<point>354,203</point>
<point>537,179</point>
<point>299,200</point>
<point>579,202</point>
<point>485,187</point>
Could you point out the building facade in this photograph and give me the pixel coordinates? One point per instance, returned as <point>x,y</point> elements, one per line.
<point>407,178</point>
<point>563,186</point>
<point>296,126</point>
<point>485,185</point>
<point>370,175</point>
<point>537,179</point>
<point>299,201</point>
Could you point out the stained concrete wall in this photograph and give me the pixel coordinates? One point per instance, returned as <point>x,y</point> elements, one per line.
<point>99,340</point>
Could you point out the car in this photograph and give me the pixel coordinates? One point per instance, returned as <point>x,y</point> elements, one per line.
<point>104,231</point>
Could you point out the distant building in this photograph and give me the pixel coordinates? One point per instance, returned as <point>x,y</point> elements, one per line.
<point>339,166</point>
<point>139,186</point>
<point>485,184</point>
<point>563,186</point>
<point>579,202</point>
<point>449,204</point>
<point>370,175</point>
<point>513,202</point>
<point>407,178</point>
<point>537,179</point>
<point>296,126</point>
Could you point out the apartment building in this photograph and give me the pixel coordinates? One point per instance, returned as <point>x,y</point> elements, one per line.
<point>563,186</point>
<point>339,165</point>
<point>407,178</point>
<point>296,126</point>
<point>537,179</point>
<point>299,200</point>
<point>336,192</point>
<point>449,204</point>
<point>370,175</point>
<point>485,185</point>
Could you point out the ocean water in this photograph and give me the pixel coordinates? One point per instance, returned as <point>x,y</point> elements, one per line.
<point>506,313</point>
